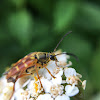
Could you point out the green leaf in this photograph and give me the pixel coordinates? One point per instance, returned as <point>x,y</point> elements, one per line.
<point>96,97</point>
<point>20,26</point>
<point>95,69</point>
<point>43,7</point>
<point>90,18</point>
<point>64,13</point>
<point>17,3</point>
<point>41,28</point>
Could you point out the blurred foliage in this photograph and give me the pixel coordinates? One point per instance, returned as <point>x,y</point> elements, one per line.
<point>37,25</point>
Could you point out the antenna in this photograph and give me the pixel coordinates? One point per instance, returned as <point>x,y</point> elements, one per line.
<point>71,54</point>
<point>61,40</point>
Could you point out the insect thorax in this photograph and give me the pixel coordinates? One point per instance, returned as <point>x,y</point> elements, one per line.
<point>43,58</point>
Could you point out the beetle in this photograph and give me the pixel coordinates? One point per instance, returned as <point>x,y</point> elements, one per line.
<point>33,61</point>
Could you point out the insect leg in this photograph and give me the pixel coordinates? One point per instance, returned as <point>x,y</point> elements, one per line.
<point>38,75</point>
<point>49,71</point>
<point>14,81</point>
<point>24,75</point>
<point>13,88</point>
<point>56,64</point>
<point>13,91</point>
<point>19,76</point>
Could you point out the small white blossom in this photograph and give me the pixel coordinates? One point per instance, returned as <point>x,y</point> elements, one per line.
<point>22,82</point>
<point>21,94</point>
<point>69,64</point>
<point>56,90</point>
<point>58,71</point>
<point>62,97</point>
<point>7,91</point>
<point>72,77</point>
<point>46,84</point>
<point>71,90</point>
<point>72,80</point>
<point>69,72</point>
<point>62,60</point>
<point>78,75</point>
<point>84,84</point>
<point>45,97</point>
<point>34,88</point>
<point>57,80</point>
<point>3,83</point>
<point>31,99</point>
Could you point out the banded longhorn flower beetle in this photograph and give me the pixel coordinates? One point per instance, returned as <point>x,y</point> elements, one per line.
<point>33,61</point>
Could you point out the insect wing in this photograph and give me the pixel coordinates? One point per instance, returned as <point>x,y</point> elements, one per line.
<point>21,65</point>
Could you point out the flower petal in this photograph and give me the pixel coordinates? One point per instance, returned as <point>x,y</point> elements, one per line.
<point>44,97</point>
<point>57,80</point>
<point>46,84</point>
<point>56,90</point>
<point>69,72</point>
<point>63,97</point>
<point>84,84</point>
<point>71,90</point>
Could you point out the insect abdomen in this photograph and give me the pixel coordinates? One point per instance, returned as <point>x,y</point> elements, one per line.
<point>22,66</point>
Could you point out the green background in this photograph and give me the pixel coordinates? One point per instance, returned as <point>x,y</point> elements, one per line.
<point>37,25</point>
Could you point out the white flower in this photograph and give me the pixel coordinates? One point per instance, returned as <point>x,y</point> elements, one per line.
<point>22,82</point>
<point>46,84</point>
<point>7,91</point>
<point>69,64</point>
<point>72,77</point>
<point>71,90</point>
<point>34,87</point>
<point>69,72</point>
<point>3,83</point>
<point>44,97</point>
<point>72,80</point>
<point>84,84</point>
<point>63,97</point>
<point>62,60</point>
<point>31,99</point>
<point>20,94</point>
<point>56,90</point>
<point>57,80</point>
<point>78,75</point>
<point>58,71</point>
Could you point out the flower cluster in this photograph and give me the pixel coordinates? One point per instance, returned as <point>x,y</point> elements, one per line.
<point>62,87</point>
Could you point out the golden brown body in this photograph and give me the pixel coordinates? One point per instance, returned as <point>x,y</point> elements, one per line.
<point>33,61</point>
<point>38,59</point>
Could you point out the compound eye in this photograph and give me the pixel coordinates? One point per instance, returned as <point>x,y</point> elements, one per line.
<point>52,57</point>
